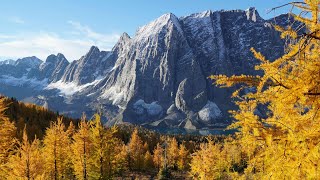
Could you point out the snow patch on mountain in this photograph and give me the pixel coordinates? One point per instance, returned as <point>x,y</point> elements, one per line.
<point>114,95</point>
<point>23,81</point>
<point>156,26</point>
<point>70,88</point>
<point>8,62</point>
<point>210,112</point>
<point>152,109</point>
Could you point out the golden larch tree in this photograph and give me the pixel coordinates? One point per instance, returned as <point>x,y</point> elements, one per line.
<point>173,153</point>
<point>27,162</point>
<point>135,151</point>
<point>147,161</point>
<point>285,143</point>
<point>7,137</point>
<point>120,163</point>
<point>56,148</point>
<point>158,156</point>
<point>104,150</point>
<point>82,149</point>
<point>183,158</point>
<point>209,162</point>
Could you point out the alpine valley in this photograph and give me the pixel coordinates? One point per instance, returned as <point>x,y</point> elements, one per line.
<point>158,77</point>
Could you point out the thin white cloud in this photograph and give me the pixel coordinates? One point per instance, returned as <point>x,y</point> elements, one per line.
<point>17,20</point>
<point>99,39</point>
<point>45,43</point>
<point>2,36</point>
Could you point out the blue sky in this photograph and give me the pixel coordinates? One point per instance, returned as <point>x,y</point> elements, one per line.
<point>43,27</point>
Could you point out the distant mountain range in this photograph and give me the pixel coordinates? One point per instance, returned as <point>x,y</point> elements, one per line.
<point>158,78</point>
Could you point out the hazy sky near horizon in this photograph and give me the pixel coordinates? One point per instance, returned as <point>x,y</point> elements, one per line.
<point>43,27</point>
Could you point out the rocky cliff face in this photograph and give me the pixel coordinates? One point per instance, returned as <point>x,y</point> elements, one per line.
<point>20,68</point>
<point>159,76</point>
<point>53,68</point>
<point>167,63</point>
<point>88,68</point>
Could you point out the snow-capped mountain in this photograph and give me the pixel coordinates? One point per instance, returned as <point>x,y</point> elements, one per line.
<point>156,78</point>
<point>8,62</point>
<point>20,67</point>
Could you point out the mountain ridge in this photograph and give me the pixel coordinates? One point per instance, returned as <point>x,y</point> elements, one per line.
<point>160,74</point>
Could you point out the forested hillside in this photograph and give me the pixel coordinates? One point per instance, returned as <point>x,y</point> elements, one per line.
<point>35,118</point>
<point>39,144</point>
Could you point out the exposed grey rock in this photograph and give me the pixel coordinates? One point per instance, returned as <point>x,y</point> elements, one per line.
<point>210,112</point>
<point>20,68</point>
<point>54,67</point>
<point>172,109</point>
<point>8,62</point>
<point>159,76</point>
<point>157,60</point>
<point>28,62</point>
<point>92,66</point>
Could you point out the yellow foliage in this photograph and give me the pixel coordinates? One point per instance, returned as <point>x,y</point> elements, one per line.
<point>286,143</point>
<point>172,153</point>
<point>158,156</point>
<point>215,161</point>
<point>56,150</point>
<point>105,148</point>
<point>136,151</point>
<point>27,162</point>
<point>148,161</point>
<point>7,138</point>
<point>82,147</point>
<point>183,158</point>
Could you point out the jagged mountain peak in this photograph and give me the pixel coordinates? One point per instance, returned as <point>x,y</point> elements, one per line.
<point>53,67</point>
<point>8,62</point>
<point>125,36</point>
<point>30,62</point>
<point>54,58</point>
<point>52,62</point>
<point>50,59</point>
<point>61,56</point>
<point>252,14</point>
<point>93,50</point>
<point>203,14</point>
<point>156,26</point>
<point>168,16</point>
<point>124,39</point>
<point>92,55</point>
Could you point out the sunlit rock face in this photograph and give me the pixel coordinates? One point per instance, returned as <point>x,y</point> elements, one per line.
<point>158,77</point>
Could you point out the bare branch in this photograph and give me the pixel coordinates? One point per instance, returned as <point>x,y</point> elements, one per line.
<point>311,94</point>
<point>291,3</point>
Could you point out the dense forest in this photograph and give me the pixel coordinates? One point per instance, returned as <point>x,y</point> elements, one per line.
<point>284,144</point>
<point>36,143</point>
<point>35,118</point>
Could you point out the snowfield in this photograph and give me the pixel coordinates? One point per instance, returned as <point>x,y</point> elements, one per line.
<point>210,112</point>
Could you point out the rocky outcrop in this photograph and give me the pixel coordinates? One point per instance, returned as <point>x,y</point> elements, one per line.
<point>92,66</point>
<point>53,68</point>
<point>20,68</point>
